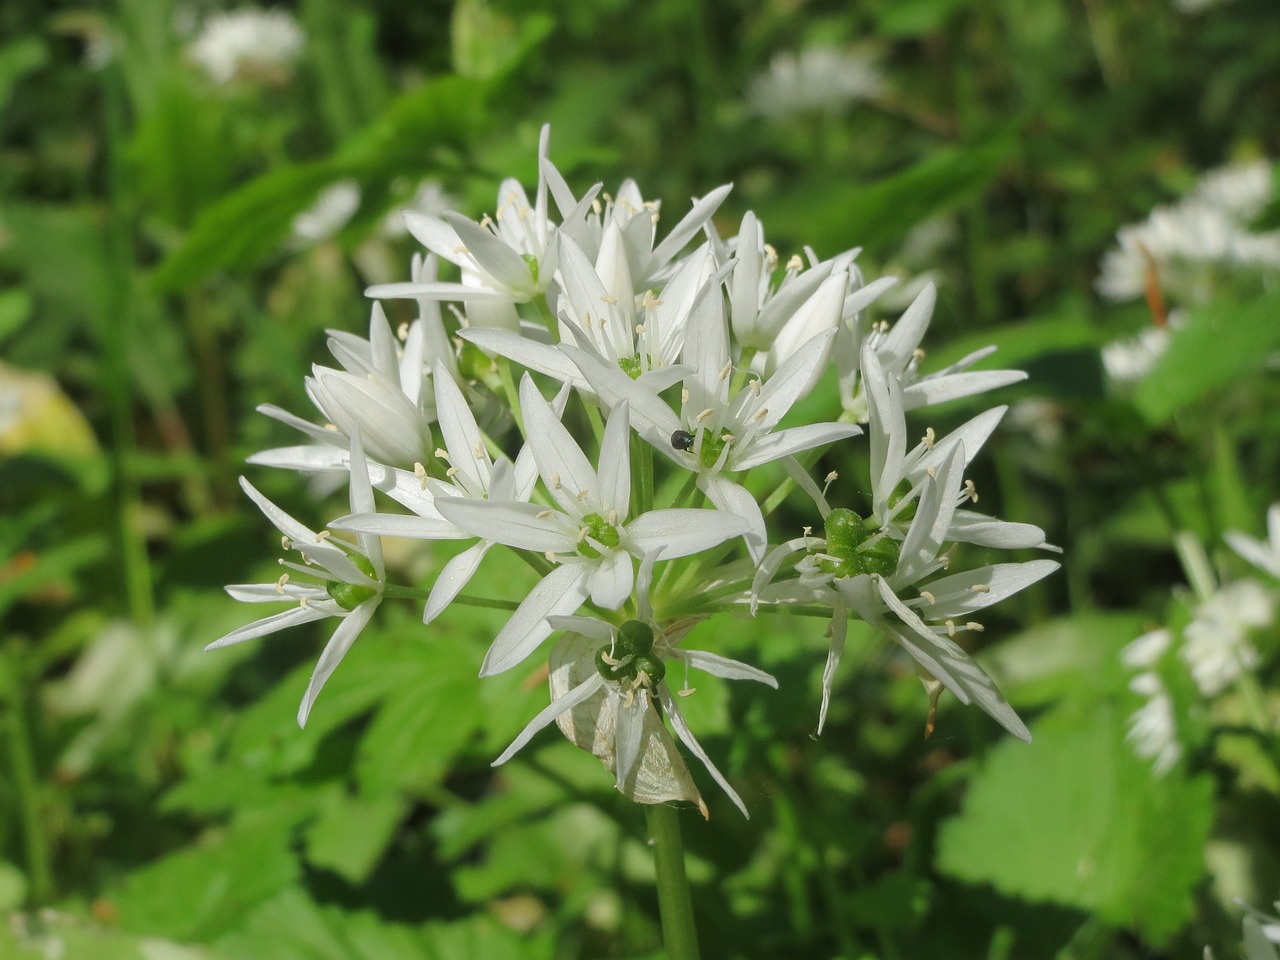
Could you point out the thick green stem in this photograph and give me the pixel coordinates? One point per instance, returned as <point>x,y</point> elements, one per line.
<point>679,935</point>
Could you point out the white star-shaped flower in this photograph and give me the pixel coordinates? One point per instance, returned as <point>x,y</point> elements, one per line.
<point>590,537</point>
<point>351,584</point>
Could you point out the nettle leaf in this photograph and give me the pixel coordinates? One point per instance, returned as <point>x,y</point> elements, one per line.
<point>1221,342</point>
<point>1076,819</point>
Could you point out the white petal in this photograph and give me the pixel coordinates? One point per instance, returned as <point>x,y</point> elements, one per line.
<point>612,579</point>
<point>835,652</point>
<point>549,713</point>
<point>684,531</point>
<point>589,627</point>
<point>954,596</point>
<point>736,500</point>
<point>562,465</point>
<point>904,336</point>
<point>887,425</point>
<point>650,415</point>
<point>464,292</point>
<point>462,438</point>
<point>493,255</point>
<point>509,522</point>
<point>929,527</point>
<point>930,390</point>
<point>260,628</point>
<point>560,592</point>
<point>690,224</point>
<point>362,502</point>
<point>274,592</point>
<point>786,443</point>
<point>724,667</point>
<point>690,741</point>
<point>399,525</point>
<point>319,434</point>
<point>337,647</point>
<point>615,461</point>
<point>290,527</point>
<point>455,576</point>
<point>312,458</point>
<point>628,735</point>
<point>974,528</point>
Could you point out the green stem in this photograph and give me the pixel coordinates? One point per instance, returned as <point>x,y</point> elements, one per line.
<point>28,790</point>
<point>679,935</point>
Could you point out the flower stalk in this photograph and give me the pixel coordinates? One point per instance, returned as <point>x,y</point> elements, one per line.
<point>679,934</point>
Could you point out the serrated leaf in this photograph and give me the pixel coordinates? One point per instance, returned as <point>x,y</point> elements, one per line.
<point>1076,819</point>
<point>1221,342</point>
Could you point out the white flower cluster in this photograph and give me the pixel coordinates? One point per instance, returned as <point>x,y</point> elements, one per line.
<point>1184,245</point>
<point>633,491</point>
<point>1217,645</point>
<point>250,44</point>
<point>819,79</point>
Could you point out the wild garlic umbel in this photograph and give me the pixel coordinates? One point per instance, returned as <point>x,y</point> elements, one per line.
<point>601,399</point>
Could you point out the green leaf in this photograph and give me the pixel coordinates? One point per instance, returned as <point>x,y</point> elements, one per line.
<point>211,886</point>
<point>1076,819</point>
<point>17,59</point>
<point>351,834</point>
<point>1222,342</point>
<point>15,309</point>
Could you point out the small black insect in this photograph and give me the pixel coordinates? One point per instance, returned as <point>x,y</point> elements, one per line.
<point>682,440</point>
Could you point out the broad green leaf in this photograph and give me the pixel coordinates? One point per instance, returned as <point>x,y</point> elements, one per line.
<point>210,887</point>
<point>351,834</point>
<point>1222,342</point>
<point>19,57</point>
<point>1076,819</point>
<point>912,18</point>
<point>15,310</point>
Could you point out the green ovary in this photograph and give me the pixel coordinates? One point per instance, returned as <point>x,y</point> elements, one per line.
<point>853,550</point>
<point>350,595</point>
<point>600,530</point>
<point>632,654</point>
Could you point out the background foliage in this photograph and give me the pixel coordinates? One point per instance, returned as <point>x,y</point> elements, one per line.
<point>160,803</point>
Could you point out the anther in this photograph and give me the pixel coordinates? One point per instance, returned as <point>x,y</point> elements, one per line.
<point>974,626</point>
<point>951,628</point>
<point>755,387</point>
<point>304,602</point>
<point>609,298</point>
<point>323,535</point>
<point>761,414</point>
<point>420,472</point>
<point>725,371</point>
<point>286,543</point>
<point>971,491</point>
<point>687,692</point>
<point>613,518</point>
<point>442,453</point>
<point>795,264</point>
<point>704,415</point>
<point>555,481</point>
<point>284,578</point>
<point>933,472</point>
<point>402,331</point>
<point>545,514</point>
<point>917,354</point>
<point>451,472</point>
<point>550,555</point>
<point>684,395</point>
<point>928,597</point>
<point>981,588</point>
<point>477,450</point>
<point>928,438</point>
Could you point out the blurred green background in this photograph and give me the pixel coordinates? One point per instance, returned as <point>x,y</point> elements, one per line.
<point>157,282</point>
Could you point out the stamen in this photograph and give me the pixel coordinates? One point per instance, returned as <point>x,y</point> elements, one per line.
<point>284,578</point>
<point>974,626</point>
<point>304,602</point>
<point>760,414</point>
<point>402,331</point>
<point>477,450</point>
<point>609,298</point>
<point>795,264</point>
<point>323,535</point>
<point>933,472</point>
<point>971,491</point>
<point>704,415</point>
<point>981,588</point>
<point>639,329</point>
<point>928,438</point>
<point>755,386</point>
<point>555,481</point>
<point>613,518</point>
<point>451,472</point>
<point>442,453</point>
<point>917,355</point>
<point>286,543</point>
<point>951,628</point>
<point>486,221</point>
<point>727,438</point>
<point>550,555</point>
<point>545,514</point>
<point>725,371</point>
<point>928,597</point>
<point>420,472</point>
<point>687,692</point>
<point>332,427</point>
<point>583,534</point>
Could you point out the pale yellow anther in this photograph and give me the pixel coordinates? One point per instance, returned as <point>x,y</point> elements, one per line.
<point>631,698</point>
<point>831,477</point>
<point>420,472</point>
<point>555,481</point>
<point>806,531</point>
<point>286,543</point>
<point>639,329</point>
<point>951,628</point>
<point>550,555</point>
<point>917,354</point>
<point>332,427</point>
<point>323,535</point>
<point>460,248</point>
<point>975,626</point>
<point>545,515</point>
<point>971,491</point>
<point>451,472</point>
<point>771,252</point>
<point>704,415</point>
<point>582,494</point>
<point>304,601</point>
<point>795,264</point>
<point>613,518</point>
<point>486,221</point>
<point>442,453</point>
<point>933,472</point>
<point>755,387</point>
<point>609,658</point>
<point>586,321</point>
<point>760,414</point>
<point>684,395</point>
<point>650,300</point>
<point>725,371</point>
<point>928,438</point>
<point>981,588</point>
<point>928,597</point>
<point>402,331</point>
<point>596,208</point>
<point>727,438</point>
<point>284,578</point>
<point>609,298</point>
<point>687,692</point>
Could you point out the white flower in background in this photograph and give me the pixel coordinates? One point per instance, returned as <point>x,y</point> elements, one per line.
<point>606,683</point>
<point>1153,730</point>
<point>1216,644</point>
<point>718,431</point>
<point>342,581</point>
<point>1130,359</point>
<point>897,348</point>
<point>820,79</point>
<point>1196,6</point>
<point>430,199</point>
<point>1184,243</point>
<point>380,389</point>
<point>249,43</point>
<point>591,538</point>
<point>1263,554</point>
<point>335,206</point>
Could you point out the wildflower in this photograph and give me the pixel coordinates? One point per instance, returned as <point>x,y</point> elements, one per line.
<point>329,214</point>
<point>820,79</point>
<point>1153,731</point>
<point>429,199</point>
<point>1217,648</point>
<point>1263,554</point>
<point>249,43</point>
<point>590,537</point>
<point>607,685</point>
<point>379,388</point>
<point>348,581</point>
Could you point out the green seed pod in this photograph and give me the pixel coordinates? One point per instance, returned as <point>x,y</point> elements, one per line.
<point>844,532</point>
<point>652,666</point>
<point>611,671</point>
<point>880,557</point>
<point>348,595</point>
<point>635,636</point>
